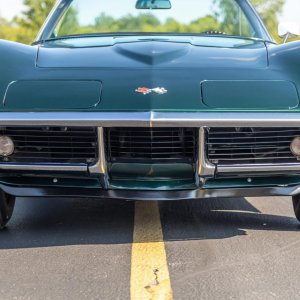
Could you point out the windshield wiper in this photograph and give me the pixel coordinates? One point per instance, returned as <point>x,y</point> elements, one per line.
<point>150,34</point>
<point>78,36</point>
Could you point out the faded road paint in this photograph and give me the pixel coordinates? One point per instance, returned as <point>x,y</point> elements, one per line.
<point>150,277</point>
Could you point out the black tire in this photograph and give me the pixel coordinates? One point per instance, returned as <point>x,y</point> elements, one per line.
<point>7,205</point>
<point>296,203</point>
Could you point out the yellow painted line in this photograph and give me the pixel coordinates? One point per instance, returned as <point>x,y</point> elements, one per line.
<point>150,278</point>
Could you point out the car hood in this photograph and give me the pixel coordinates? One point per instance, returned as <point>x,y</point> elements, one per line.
<point>177,74</point>
<point>143,52</point>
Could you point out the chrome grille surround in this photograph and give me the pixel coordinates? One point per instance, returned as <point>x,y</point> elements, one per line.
<point>251,146</point>
<point>52,145</point>
<point>201,120</point>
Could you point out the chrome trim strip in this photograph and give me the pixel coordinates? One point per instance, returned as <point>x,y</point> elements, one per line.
<point>227,119</point>
<point>46,23</point>
<point>85,119</point>
<point>252,169</point>
<point>102,155</point>
<point>44,167</point>
<point>205,168</point>
<point>101,166</point>
<point>6,91</point>
<point>151,119</point>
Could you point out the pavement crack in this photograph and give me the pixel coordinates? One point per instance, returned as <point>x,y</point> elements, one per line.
<point>155,281</point>
<point>155,272</point>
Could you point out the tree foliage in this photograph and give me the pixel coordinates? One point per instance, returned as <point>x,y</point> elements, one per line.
<point>270,10</point>
<point>141,23</point>
<point>35,14</point>
<point>11,31</point>
<point>24,28</point>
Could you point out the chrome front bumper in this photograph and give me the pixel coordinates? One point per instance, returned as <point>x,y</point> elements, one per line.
<point>156,119</point>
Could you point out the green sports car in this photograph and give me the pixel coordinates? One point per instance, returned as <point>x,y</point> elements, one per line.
<point>150,100</point>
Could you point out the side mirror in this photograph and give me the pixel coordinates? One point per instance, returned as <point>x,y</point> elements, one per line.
<point>287,30</point>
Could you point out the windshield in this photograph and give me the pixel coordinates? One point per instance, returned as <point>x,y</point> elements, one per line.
<point>214,17</point>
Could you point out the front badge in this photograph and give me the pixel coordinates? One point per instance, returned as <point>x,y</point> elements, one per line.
<point>145,91</point>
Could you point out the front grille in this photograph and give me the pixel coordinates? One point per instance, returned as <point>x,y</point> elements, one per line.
<point>150,145</point>
<point>65,145</point>
<point>228,146</point>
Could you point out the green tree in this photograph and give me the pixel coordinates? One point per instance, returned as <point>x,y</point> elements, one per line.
<point>35,14</point>
<point>270,10</point>
<point>33,17</point>
<point>70,24</point>
<point>130,23</point>
<point>11,31</point>
<point>104,23</point>
<point>205,24</point>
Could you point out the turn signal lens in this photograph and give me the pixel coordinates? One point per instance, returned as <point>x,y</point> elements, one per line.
<point>295,146</point>
<point>7,146</point>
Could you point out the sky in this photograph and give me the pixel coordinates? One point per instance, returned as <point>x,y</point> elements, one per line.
<point>10,8</point>
<point>180,11</point>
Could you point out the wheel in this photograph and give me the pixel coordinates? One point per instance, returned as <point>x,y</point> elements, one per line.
<point>7,205</point>
<point>296,203</point>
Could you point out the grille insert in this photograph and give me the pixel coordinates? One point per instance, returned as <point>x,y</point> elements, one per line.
<point>164,145</point>
<point>228,146</point>
<point>46,145</point>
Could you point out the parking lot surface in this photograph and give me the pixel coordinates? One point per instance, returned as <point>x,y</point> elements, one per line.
<point>205,249</point>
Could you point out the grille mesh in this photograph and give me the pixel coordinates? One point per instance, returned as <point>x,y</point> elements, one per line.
<point>151,144</point>
<point>227,146</point>
<point>72,145</point>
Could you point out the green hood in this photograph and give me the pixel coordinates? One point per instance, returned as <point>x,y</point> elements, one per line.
<point>198,73</point>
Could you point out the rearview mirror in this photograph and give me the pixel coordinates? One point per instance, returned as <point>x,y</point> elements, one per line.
<point>288,30</point>
<point>153,4</point>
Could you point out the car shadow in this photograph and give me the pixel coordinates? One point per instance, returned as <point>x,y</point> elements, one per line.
<point>46,222</point>
<point>218,219</point>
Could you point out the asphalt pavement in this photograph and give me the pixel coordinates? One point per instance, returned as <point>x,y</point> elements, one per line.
<point>213,249</point>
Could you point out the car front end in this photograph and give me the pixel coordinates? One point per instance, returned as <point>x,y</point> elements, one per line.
<point>149,115</point>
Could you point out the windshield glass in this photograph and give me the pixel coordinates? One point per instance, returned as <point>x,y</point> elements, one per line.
<point>226,17</point>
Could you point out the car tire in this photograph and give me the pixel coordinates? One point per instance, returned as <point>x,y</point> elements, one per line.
<point>296,204</point>
<point>7,205</point>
